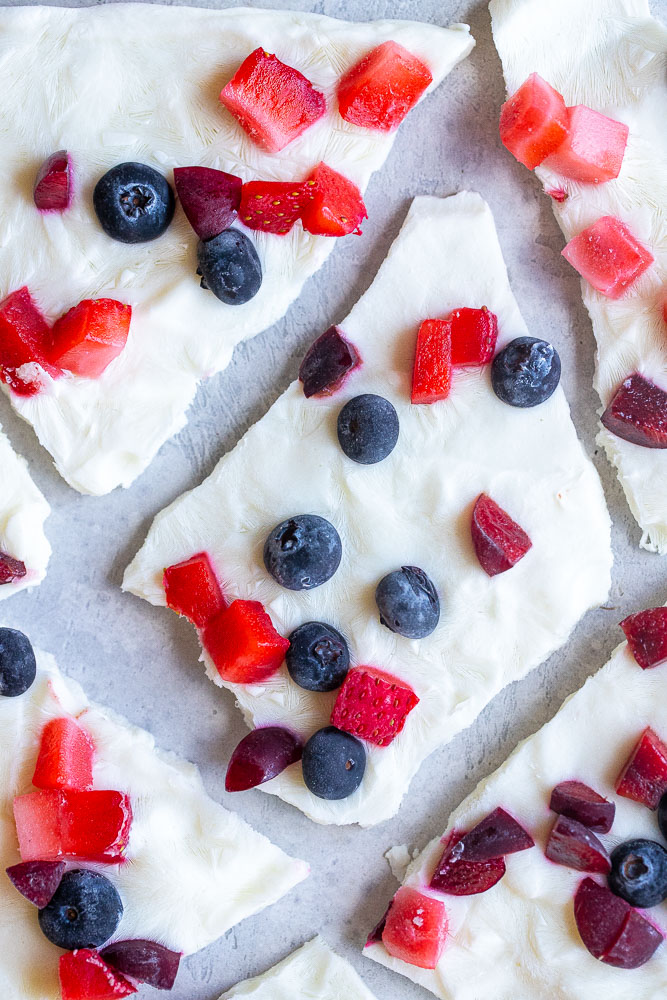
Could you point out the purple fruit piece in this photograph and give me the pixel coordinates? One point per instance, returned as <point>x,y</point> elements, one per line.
<point>53,189</point>
<point>610,928</point>
<point>578,801</point>
<point>37,880</point>
<point>328,361</point>
<point>260,756</point>
<point>145,961</point>
<point>375,935</point>
<point>636,943</point>
<point>457,877</point>
<point>638,413</point>
<point>209,198</point>
<point>495,836</point>
<point>574,845</point>
<point>11,569</point>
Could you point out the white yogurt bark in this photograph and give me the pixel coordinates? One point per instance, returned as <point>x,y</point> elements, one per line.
<point>314,972</point>
<point>610,54</point>
<point>413,509</point>
<point>519,939</point>
<point>141,82</point>
<point>193,869</point>
<point>23,511</point>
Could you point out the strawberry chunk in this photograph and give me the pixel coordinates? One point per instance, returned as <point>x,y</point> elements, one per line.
<point>593,149</point>
<point>608,256</point>
<point>11,569</point>
<point>432,372</point>
<point>24,339</point>
<point>272,101</point>
<point>57,823</point>
<point>273,207</point>
<point>243,643</point>
<point>373,705</point>
<point>644,776</point>
<point>473,333</point>
<point>458,877</point>
<point>498,540</point>
<point>53,190</point>
<point>611,929</point>
<point>416,928</point>
<point>336,207</point>
<point>65,757</point>
<point>88,337</point>
<point>84,975</point>
<point>379,90</point>
<point>638,413</point>
<point>210,198</point>
<point>646,633</point>
<point>533,122</point>
<point>191,588</point>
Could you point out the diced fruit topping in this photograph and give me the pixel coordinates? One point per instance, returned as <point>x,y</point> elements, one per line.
<point>578,801</point>
<point>65,756</point>
<point>260,756</point>
<point>611,930</point>
<point>608,256</point>
<point>379,90</point>
<point>647,636</point>
<point>416,928</point>
<point>303,552</point>
<point>499,541</point>
<point>87,338</point>
<point>639,872</point>
<point>375,935</point>
<point>273,206</point>
<point>526,372</point>
<point>373,705</point>
<point>84,911</point>
<point>644,777</point>
<point>18,666</point>
<point>37,880</point>
<point>318,657</point>
<point>638,413</point>
<point>134,203</point>
<point>192,589</point>
<point>272,102</point>
<point>328,362</point>
<point>473,333</point>
<point>243,643</point>
<point>336,207</point>
<point>662,815</point>
<point>11,569</point>
<point>92,825</point>
<point>592,151</point>
<point>368,428</point>
<point>572,844</point>
<point>84,975</point>
<point>230,267</point>
<point>333,763</point>
<point>457,877</point>
<point>408,602</point>
<point>210,198</point>
<point>533,122</point>
<point>146,961</point>
<point>432,371</point>
<point>24,338</point>
<point>495,836</point>
<point>53,190</point>
<point>558,194</point>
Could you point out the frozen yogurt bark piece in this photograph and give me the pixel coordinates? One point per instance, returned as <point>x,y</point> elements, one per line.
<point>24,549</point>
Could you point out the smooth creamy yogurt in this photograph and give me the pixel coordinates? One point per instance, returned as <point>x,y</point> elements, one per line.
<point>141,82</point>
<point>414,508</point>
<point>611,55</point>
<point>23,511</point>
<point>193,869</point>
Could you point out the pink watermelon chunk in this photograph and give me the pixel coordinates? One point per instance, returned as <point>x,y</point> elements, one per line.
<point>608,256</point>
<point>533,121</point>
<point>593,149</point>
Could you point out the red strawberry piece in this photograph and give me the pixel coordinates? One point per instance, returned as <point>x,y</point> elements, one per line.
<point>37,880</point>
<point>457,877</point>
<point>273,102</point>
<point>644,776</point>
<point>415,929</point>
<point>210,198</point>
<point>145,961</point>
<point>578,801</point>
<point>91,825</point>
<point>611,929</point>
<point>65,757</point>
<point>593,149</point>
<point>572,844</point>
<point>11,569</point>
<point>24,339</point>
<point>379,90</point>
<point>84,975</point>
<point>53,188</point>
<point>474,333</point>
<point>260,756</point>
<point>243,643</point>
<point>432,372</point>
<point>191,588</point>
<point>498,540</point>
<point>336,207</point>
<point>271,206</point>
<point>533,122</point>
<point>608,256</point>
<point>495,836</point>
<point>646,633</point>
<point>638,413</point>
<point>87,338</point>
<point>327,363</point>
<point>373,705</point>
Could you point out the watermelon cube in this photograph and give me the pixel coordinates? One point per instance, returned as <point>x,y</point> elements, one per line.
<point>24,339</point>
<point>608,256</point>
<point>90,825</point>
<point>646,633</point>
<point>192,589</point>
<point>432,372</point>
<point>592,151</point>
<point>379,90</point>
<point>415,928</point>
<point>533,121</point>
<point>474,335</point>
<point>65,757</point>
<point>87,338</point>
<point>243,643</point>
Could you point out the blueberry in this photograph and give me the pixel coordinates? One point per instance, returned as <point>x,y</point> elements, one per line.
<point>408,602</point>
<point>18,667</point>
<point>303,552</point>
<point>662,815</point>
<point>368,428</point>
<point>333,763</point>
<point>526,372</point>
<point>318,658</point>
<point>84,912</point>
<point>134,203</point>
<point>229,267</point>
<point>639,872</point>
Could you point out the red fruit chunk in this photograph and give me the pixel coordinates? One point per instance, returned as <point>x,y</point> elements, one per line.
<point>379,90</point>
<point>558,194</point>
<point>65,757</point>
<point>273,207</point>
<point>533,122</point>
<point>416,928</point>
<point>578,801</point>
<point>146,961</point>
<point>336,207</point>
<point>260,756</point>
<point>88,337</point>
<point>644,776</point>
<point>638,413</point>
<point>611,930</point>
<point>432,371</point>
<point>495,836</point>
<point>373,705</point>
<point>327,363</point>
<point>473,333</point>
<point>457,877</point>
<point>243,643</point>
<point>53,190</point>
<point>24,338</point>
<point>84,975</point>
<point>498,540</point>
<point>37,880</point>
<point>375,935</point>
<point>647,636</point>
<point>608,256</point>
<point>11,569</point>
<point>210,198</point>
<point>637,942</point>
<point>572,844</point>
<point>273,102</point>
<point>592,151</point>
<point>92,825</point>
<point>192,589</point>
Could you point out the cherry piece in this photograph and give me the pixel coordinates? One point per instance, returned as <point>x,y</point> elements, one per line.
<point>146,961</point>
<point>53,187</point>
<point>457,877</point>
<point>498,540</point>
<point>611,930</point>
<point>578,801</point>
<point>572,844</point>
<point>260,756</point>
<point>495,836</point>
<point>11,569</point>
<point>37,880</point>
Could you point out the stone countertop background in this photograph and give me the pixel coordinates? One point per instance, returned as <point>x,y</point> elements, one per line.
<point>142,661</point>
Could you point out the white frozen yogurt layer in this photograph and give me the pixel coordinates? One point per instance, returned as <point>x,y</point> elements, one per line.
<point>23,511</point>
<point>412,509</point>
<point>519,939</point>
<point>611,55</point>
<point>193,869</point>
<point>141,82</point>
